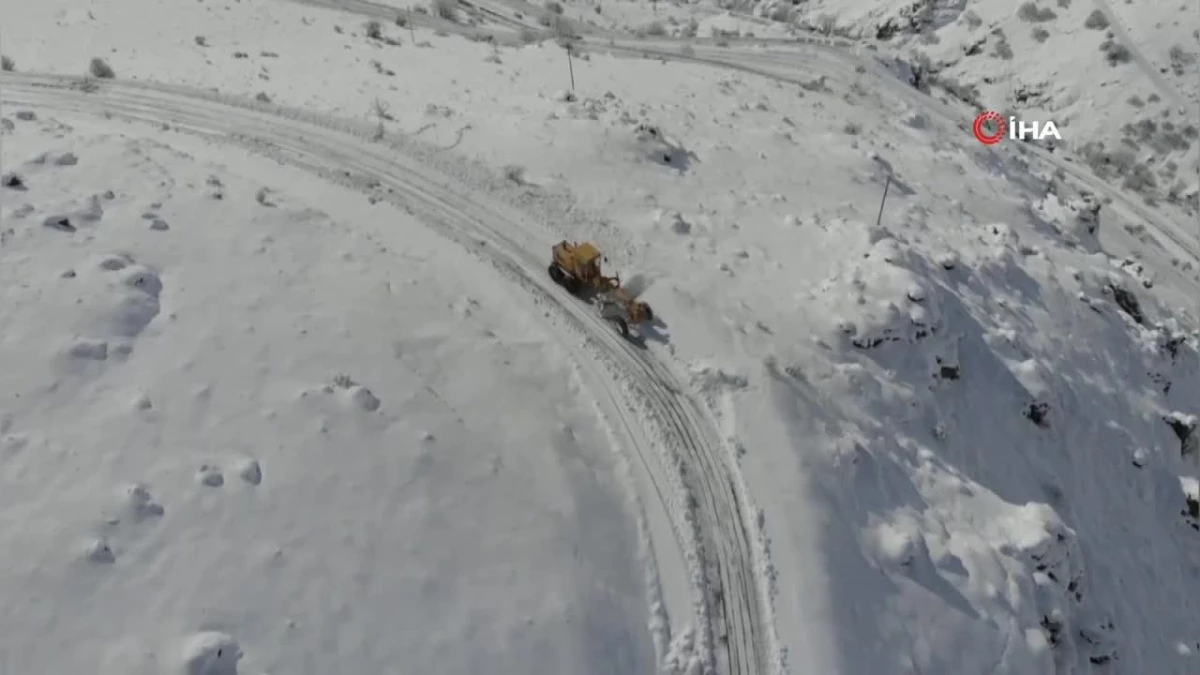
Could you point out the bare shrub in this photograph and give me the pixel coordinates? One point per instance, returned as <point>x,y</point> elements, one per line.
<point>1002,50</point>
<point>553,7</point>
<point>968,93</point>
<point>98,68</point>
<point>1180,59</point>
<point>1140,179</point>
<point>1040,35</point>
<point>201,41</point>
<point>1115,53</point>
<point>381,111</point>
<point>445,9</point>
<point>374,29</point>
<point>515,173</point>
<point>1136,101</point>
<point>1146,129</point>
<point>1106,164</point>
<point>1029,11</point>
<point>655,28</point>
<point>1096,20</point>
<point>7,64</point>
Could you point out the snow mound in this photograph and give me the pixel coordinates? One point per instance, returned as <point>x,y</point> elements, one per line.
<point>887,295</point>
<point>210,653</point>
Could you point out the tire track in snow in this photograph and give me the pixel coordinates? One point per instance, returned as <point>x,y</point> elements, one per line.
<point>713,527</point>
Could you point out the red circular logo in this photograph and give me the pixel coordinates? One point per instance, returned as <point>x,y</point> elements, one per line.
<point>982,135</point>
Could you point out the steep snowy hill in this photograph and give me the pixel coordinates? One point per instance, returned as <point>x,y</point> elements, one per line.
<point>1121,79</point>
<point>950,430</point>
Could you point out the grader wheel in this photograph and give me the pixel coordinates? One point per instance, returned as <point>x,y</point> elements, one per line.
<point>622,326</point>
<point>560,277</point>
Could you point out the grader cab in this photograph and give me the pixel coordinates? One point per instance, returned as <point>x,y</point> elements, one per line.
<point>577,268</point>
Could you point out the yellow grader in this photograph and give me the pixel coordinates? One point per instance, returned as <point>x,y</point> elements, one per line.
<point>576,267</point>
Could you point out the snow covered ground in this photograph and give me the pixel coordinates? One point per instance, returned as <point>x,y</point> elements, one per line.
<point>1122,79</point>
<point>297,381</point>
<point>289,418</point>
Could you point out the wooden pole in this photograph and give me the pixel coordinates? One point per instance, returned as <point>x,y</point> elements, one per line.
<point>886,185</point>
<point>570,66</point>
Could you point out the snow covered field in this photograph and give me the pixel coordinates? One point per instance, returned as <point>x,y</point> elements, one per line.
<point>288,390</point>
<point>325,436</point>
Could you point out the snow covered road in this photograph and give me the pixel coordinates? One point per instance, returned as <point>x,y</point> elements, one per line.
<point>810,56</point>
<point>814,57</point>
<point>693,471</point>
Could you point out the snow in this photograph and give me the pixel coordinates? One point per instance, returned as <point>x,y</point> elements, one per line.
<point>337,444</point>
<point>287,388</point>
<point>1119,79</point>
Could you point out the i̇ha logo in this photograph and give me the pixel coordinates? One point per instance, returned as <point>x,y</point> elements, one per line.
<point>990,128</point>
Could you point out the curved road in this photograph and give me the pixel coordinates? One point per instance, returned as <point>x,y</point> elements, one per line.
<point>710,526</point>
<point>734,628</point>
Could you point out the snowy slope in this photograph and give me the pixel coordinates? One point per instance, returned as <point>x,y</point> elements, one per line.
<point>1122,78</point>
<point>956,442</point>
<point>302,422</point>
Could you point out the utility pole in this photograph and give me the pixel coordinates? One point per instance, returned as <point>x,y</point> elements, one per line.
<point>570,64</point>
<point>886,185</point>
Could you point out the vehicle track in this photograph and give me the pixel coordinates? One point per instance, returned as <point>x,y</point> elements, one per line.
<point>735,597</point>
<point>729,590</point>
<point>810,55</point>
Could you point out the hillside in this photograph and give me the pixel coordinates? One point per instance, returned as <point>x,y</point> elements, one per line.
<point>290,390</point>
<point>1123,79</point>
